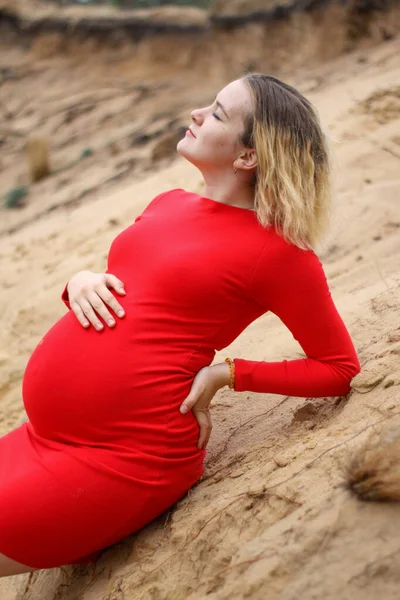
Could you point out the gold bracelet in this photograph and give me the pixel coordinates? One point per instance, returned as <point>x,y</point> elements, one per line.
<point>232,373</point>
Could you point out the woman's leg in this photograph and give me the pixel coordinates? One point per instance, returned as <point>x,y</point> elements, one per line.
<point>11,567</point>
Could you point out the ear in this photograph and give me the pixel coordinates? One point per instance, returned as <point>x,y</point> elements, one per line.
<point>247,160</point>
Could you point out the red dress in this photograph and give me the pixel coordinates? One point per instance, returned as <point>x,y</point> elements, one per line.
<point>106,448</point>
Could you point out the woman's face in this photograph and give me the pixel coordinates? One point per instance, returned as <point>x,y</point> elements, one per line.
<point>212,143</point>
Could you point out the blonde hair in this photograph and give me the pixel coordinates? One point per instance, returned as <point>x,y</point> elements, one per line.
<point>292,186</point>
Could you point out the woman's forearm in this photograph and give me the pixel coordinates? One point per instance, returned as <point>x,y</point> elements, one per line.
<point>304,377</point>
<point>221,373</point>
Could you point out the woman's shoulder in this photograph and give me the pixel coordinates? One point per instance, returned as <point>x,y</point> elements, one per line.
<point>276,241</point>
<point>167,195</point>
<point>156,202</point>
<point>285,255</point>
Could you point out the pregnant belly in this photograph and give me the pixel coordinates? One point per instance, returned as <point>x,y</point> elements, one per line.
<point>81,386</point>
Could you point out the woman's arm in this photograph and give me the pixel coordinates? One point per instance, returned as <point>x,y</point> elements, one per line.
<point>292,284</point>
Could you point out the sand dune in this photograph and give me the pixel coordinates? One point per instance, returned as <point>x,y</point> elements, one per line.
<point>272,517</point>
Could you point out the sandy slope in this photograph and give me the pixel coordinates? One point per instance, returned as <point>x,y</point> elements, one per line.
<point>270,520</point>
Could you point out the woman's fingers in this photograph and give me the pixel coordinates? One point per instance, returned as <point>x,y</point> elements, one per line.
<point>108,298</point>
<point>90,306</point>
<point>91,298</point>
<point>97,303</point>
<point>209,429</point>
<point>88,311</point>
<point>76,309</point>
<point>198,400</point>
<point>114,282</point>
<point>195,392</point>
<point>203,417</point>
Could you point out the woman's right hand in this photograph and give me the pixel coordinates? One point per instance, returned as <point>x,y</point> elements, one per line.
<point>89,293</point>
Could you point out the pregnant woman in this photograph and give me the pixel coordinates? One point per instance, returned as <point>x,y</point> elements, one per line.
<point>108,445</point>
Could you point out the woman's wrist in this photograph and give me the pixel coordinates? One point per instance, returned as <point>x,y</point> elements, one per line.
<point>221,373</point>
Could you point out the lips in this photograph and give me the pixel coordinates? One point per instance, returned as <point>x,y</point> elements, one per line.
<point>191,132</point>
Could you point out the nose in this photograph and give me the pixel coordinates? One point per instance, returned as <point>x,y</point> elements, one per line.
<point>196,116</point>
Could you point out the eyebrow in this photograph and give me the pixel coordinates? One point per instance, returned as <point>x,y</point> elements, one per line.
<point>222,108</point>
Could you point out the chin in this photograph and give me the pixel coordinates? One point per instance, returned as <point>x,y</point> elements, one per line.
<point>187,153</point>
<point>180,148</point>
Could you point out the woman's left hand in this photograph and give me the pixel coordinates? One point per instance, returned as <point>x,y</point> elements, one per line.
<point>204,387</point>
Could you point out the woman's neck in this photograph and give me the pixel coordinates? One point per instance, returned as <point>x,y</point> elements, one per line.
<point>230,192</point>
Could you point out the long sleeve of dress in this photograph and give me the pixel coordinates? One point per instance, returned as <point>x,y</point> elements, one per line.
<point>65,297</point>
<point>291,283</point>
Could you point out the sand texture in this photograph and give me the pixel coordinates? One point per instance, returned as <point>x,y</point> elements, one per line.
<point>272,517</point>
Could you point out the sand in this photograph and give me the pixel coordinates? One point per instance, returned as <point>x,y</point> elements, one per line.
<point>271,518</point>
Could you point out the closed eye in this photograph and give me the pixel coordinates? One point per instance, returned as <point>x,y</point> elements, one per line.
<point>216,116</point>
